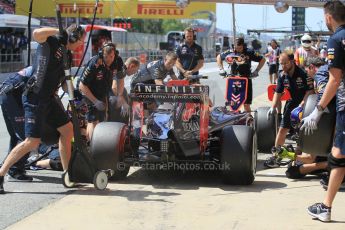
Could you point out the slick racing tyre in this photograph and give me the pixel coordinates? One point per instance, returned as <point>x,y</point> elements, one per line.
<point>107,148</point>
<point>266,130</point>
<point>238,155</point>
<point>321,141</point>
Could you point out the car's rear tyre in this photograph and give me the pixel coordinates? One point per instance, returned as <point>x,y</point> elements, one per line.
<point>238,155</point>
<point>321,141</point>
<point>107,148</point>
<point>266,130</point>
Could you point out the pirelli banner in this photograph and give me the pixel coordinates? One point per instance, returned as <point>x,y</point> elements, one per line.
<point>117,8</point>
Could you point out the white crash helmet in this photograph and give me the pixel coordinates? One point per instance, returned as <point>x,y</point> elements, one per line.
<point>306,41</point>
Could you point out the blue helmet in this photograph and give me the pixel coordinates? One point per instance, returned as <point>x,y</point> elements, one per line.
<point>296,117</point>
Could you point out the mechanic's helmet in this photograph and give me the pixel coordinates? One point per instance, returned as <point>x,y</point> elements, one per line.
<point>306,41</point>
<point>296,117</point>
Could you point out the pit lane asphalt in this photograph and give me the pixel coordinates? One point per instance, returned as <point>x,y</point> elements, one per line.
<point>23,199</point>
<point>164,201</point>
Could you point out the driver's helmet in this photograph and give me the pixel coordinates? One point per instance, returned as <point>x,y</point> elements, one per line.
<point>306,40</point>
<point>296,117</point>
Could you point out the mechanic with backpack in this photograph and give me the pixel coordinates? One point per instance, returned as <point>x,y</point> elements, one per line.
<point>40,104</point>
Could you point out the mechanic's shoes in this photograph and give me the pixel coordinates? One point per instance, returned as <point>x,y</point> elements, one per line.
<point>18,177</point>
<point>272,162</point>
<point>320,211</point>
<point>2,191</point>
<point>284,152</point>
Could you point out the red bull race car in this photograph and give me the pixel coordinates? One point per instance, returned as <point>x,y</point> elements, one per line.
<point>172,125</point>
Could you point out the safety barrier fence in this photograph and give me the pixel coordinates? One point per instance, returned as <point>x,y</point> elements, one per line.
<point>12,62</point>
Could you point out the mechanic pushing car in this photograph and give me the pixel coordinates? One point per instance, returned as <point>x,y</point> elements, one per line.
<point>117,112</point>
<point>335,20</point>
<point>157,71</point>
<point>39,102</point>
<point>294,79</point>
<point>12,110</point>
<point>190,57</point>
<point>244,68</point>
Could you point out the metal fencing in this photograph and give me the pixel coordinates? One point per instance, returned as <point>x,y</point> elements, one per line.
<point>12,62</point>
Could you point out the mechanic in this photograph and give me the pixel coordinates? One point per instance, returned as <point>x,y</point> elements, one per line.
<point>95,84</point>
<point>157,71</point>
<point>305,50</point>
<point>334,12</point>
<point>305,163</point>
<point>51,161</point>
<point>117,112</point>
<point>13,113</point>
<point>244,68</point>
<point>40,104</point>
<point>273,60</point>
<point>190,57</point>
<point>294,79</point>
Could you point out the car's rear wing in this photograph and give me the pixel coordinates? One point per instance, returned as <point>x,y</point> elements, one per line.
<point>163,93</point>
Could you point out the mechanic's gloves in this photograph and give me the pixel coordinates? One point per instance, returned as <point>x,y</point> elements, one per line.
<point>310,122</point>
<point>125,110</point>
<point>222,72</point>
<point>271,112</point>
<point>99,105</point>
<point>255,74</point>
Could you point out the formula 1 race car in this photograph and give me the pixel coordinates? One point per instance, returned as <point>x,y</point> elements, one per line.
<point>172,125</point>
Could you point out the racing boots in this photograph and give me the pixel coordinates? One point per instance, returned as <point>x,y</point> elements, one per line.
<point>2,191</point>
<point>280,153</point>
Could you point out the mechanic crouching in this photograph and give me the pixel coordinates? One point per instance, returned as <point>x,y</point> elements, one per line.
<point>294,79</point>
<point>40,104</point>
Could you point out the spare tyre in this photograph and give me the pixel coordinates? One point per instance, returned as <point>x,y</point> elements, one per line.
<point>321,141</point>
<point>266,130</point>
<point>108,147</point>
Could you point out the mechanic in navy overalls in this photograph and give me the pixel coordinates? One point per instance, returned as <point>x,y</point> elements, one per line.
<point>190,57</point>
<point>40,104</point>
<point>244,68</point>
<point>300,86</point>
<point>96,84</point>
<point>13,113</point>
<point>306,163</point>
<point>156,72</point>
<point>334,12</point>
